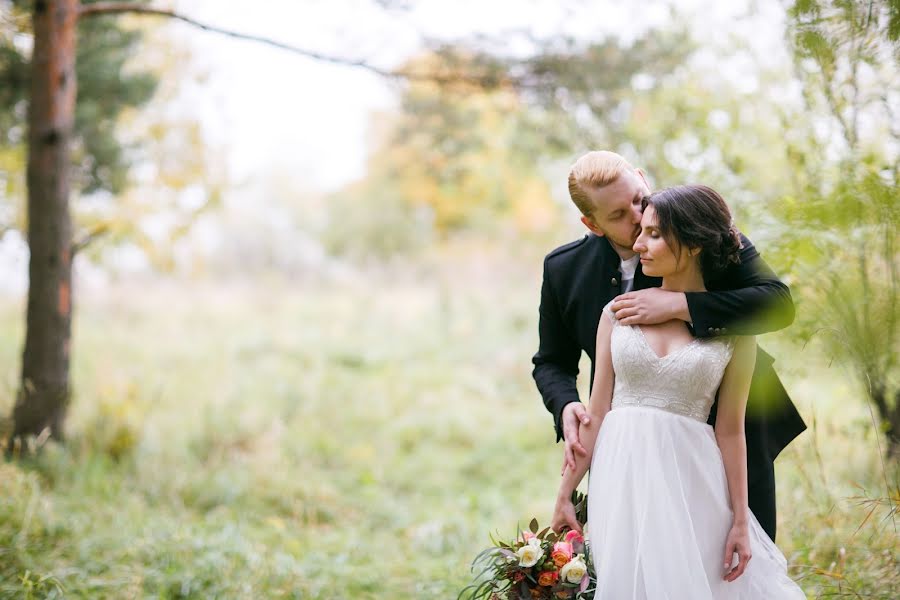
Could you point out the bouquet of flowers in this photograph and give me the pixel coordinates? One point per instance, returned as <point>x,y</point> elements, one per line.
<point>536,564</point>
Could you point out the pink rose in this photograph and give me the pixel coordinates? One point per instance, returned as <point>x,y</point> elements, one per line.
<point>573,537</point>
<point>562,553</point>
<point>527,535</point>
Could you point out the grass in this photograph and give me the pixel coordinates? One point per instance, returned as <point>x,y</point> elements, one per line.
<point>352,440</point>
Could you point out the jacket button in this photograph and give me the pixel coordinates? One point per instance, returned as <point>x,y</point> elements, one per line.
<point>709,330</point>
<point>724,330</point>
<point>614,281</point>
<point>718,330</point>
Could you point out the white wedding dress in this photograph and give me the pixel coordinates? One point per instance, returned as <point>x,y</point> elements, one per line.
<point>658,504</point>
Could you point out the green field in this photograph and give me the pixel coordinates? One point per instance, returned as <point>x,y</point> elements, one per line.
<point>351,441</point>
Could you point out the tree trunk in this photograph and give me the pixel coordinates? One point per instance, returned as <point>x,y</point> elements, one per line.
<point>893,432</point>
<point>44,388</point>
<point>888,415</point>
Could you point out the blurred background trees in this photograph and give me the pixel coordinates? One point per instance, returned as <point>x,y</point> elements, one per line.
<point>805,150</point>
<point>839,223</point>
<point>107,89</point>
<point>229,310</point>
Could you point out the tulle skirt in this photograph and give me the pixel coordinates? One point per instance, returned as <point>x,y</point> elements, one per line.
<point>659,513</point>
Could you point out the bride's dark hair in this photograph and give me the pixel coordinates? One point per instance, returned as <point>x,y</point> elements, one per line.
<point>696,216</point>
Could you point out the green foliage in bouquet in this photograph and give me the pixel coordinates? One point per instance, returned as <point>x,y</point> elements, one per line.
<point>580,502</point>
<point>538,563</point>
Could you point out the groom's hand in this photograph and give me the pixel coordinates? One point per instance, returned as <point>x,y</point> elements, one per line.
<point>650,306</point>
<point>573,416</point>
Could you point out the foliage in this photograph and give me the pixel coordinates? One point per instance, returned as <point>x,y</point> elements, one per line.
<point>470,157</point>
<point>216,452</point>
<point>841,224</point>
<point>362,455</point>
<point>106,88</point>
<point>656,99</point>
<point>454,159</point>
<point>849,529</point>
<point>370,221</point>
<point>128,73</point>
<point>669,103</point>
<point>592,88</point>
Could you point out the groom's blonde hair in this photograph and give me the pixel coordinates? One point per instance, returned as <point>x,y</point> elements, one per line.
<point>594,170</point>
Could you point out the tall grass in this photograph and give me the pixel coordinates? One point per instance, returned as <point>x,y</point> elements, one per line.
<point>348,441</point>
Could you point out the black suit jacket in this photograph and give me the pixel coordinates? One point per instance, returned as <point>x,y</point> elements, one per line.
<point>747,299</point>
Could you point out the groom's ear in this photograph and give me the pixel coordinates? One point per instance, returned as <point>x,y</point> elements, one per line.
<point>643,177</point>
<point>589,223</point>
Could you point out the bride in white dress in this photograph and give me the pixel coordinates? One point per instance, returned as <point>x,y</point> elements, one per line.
<point>667,498</point>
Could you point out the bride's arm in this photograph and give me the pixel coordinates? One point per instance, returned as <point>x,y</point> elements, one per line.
<point>732,442</point>
<point>601,397</point>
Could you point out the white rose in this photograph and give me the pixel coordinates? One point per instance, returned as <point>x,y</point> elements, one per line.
<point>529,554</point>
<point>574,570</point>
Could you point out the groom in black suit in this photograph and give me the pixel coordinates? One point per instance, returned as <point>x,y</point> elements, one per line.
<point>580,278</point>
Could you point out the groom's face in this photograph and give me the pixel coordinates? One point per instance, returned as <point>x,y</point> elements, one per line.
<point>616,212</point>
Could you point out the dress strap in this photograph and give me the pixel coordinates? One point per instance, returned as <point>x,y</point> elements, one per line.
<point>609,312</point>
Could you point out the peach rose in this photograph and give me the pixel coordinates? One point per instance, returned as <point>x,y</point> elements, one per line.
<point>548,578</point>
<point>562,553</point>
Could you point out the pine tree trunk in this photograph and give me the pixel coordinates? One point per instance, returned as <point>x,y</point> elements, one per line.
<point>44,388</point>
<point>893,432</point>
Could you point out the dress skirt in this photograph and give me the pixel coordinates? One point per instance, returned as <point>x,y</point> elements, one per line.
<point>659,513</point>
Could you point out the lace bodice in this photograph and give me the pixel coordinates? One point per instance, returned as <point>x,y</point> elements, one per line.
<point>683,382</point>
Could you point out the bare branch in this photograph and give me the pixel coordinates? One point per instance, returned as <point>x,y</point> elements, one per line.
<point>89,237</point>
<point>484,80</point>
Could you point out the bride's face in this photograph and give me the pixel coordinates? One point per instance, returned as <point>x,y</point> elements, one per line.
<point>658,258</point>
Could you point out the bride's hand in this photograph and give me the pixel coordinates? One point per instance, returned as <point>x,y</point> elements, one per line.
<point>738,541</point>
<point>564,516</point>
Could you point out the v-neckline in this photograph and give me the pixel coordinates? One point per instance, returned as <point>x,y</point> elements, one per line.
<point>653,352</point>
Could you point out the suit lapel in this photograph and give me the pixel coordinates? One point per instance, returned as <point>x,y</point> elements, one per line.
<point>596,289</point>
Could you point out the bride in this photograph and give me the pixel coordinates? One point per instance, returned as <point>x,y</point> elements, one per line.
<point>667,499</point>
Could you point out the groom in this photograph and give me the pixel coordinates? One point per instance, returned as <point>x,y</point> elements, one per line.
<point>580,278</point>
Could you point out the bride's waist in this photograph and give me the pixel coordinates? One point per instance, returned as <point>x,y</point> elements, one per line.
<point>696,409</point>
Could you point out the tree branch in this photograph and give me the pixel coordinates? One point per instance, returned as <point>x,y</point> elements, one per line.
<point>484,80</point>
<point>89,237</point>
